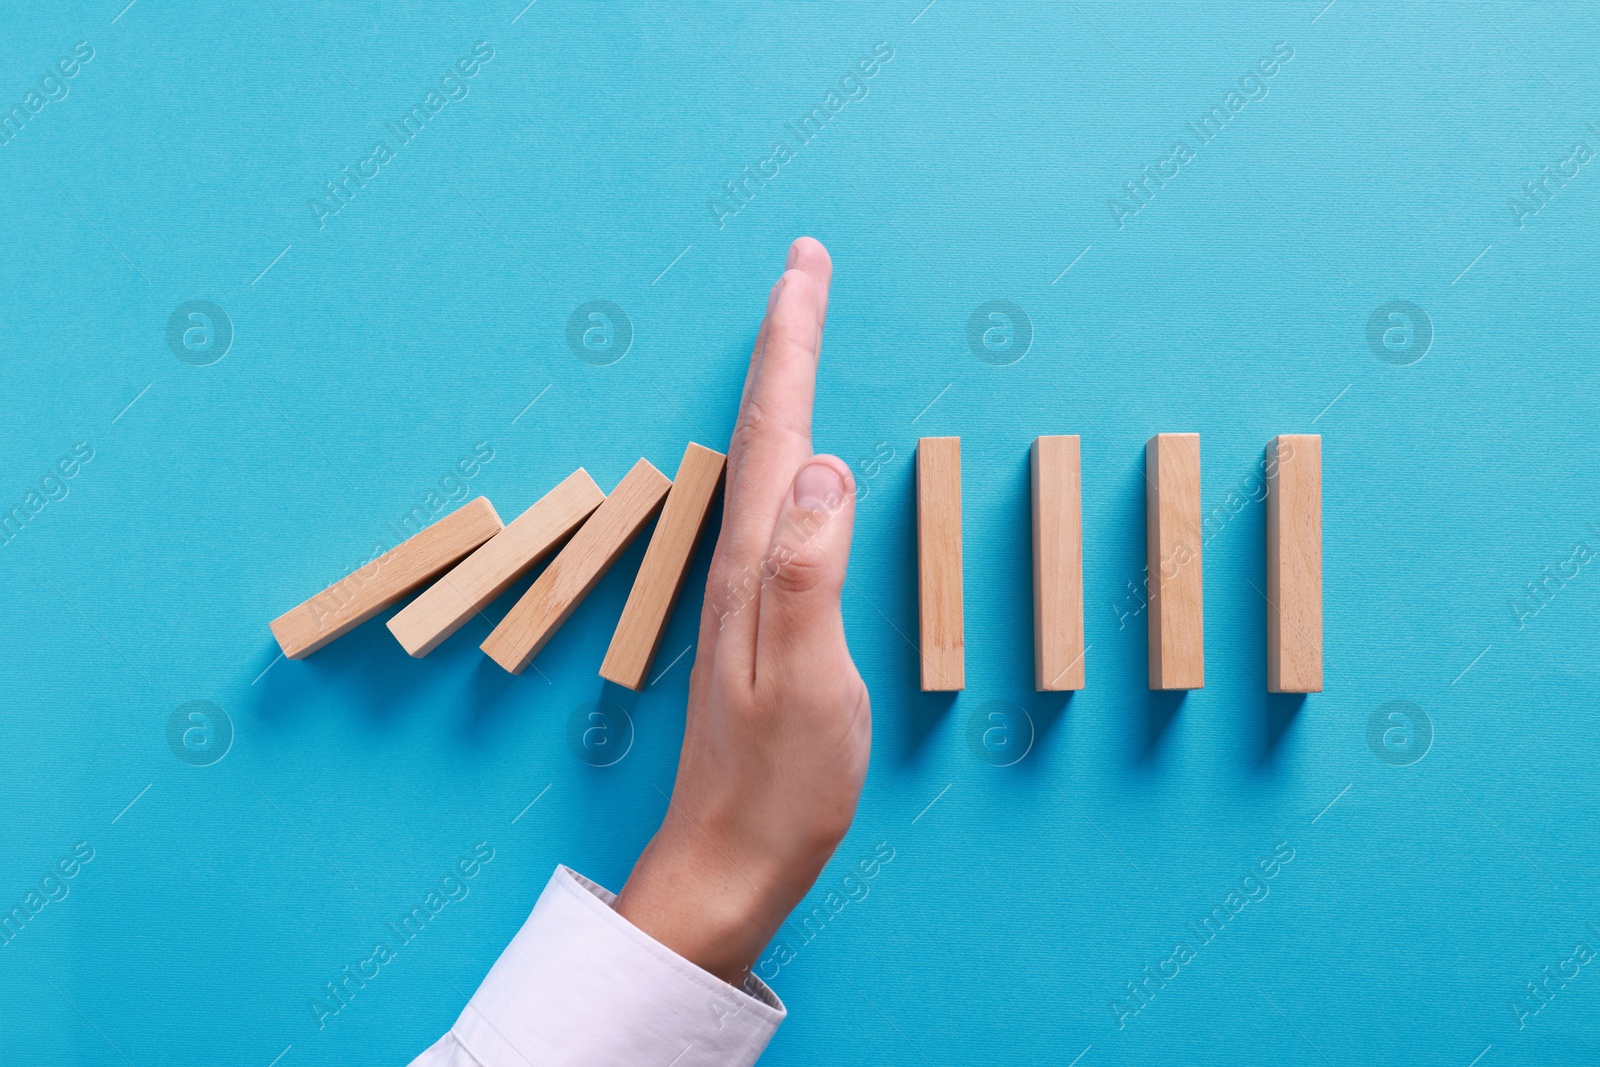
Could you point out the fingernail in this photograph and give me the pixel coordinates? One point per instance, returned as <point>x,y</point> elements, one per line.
<point>794,254</point>
<point>817,486</point>
<point>772,297</point>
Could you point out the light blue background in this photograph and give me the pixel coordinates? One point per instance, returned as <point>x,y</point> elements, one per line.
<point>424,318</point>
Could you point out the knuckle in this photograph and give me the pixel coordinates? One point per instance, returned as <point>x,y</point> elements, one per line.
<point>800,570</point>
<point>800,284</point>
<point>747,430</point>
<point>862,703</point>
<point>729,588</point>
<point>749,713</point>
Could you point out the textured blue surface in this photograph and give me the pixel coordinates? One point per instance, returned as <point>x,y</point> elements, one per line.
<point>373,350</point>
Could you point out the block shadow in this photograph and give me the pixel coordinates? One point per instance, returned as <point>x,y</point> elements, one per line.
<point>924,713</point>
<point>1276,713</point>
<point>1280,712</point>
<point>365,670</point>
<point>1161,709</point>
<point>1046,710</point>
<point>485,708</point>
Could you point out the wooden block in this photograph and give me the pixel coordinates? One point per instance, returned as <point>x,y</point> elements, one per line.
<point>406,567</point>
<point>495,567</point>
<point>1057,564</point>
<point>666,565</point>
<point>1294,564</point>
<point>1172,523</point>
<point>939,564</point>
<point>578,568</point>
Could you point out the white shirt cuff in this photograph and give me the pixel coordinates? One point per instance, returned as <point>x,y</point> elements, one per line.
<point>581,985</point>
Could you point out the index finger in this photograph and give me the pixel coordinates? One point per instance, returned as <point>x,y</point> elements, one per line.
<point>771,440</point>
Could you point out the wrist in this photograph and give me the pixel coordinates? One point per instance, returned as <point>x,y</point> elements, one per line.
<point>695,898</point>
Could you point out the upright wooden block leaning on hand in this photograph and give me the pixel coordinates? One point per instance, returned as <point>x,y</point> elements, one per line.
<point>1172,524</point>
<point>495,567</point>
<point>1294,564</point>
<point>409,565</point>
<point>1057,564</point>
<point>666,565</point>
<point>939,606</point>
<point>577,569</point>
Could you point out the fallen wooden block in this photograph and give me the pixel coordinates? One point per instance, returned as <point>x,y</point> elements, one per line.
<point>1172,524</point>
<point>577,568</point>
<point>495,567</point>
<point>939,564</point>
<point>406,567</point>
<point>1057,564</point>
<point>1294,563</point>
<point>666,564</point>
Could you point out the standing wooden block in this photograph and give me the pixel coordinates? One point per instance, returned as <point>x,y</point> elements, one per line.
<point>469,586</point>
<point>666,565</point>
<point>1172,524</point>
<point>407,566</point>
<point>1057,564</point>
<point>577,569</point>
<point>1294,564</point>
<point>939,564</point>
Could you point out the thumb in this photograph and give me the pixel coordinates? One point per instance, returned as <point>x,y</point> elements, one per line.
<point>803,574</point>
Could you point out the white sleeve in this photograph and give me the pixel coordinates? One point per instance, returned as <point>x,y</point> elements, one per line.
<point>581,985</point>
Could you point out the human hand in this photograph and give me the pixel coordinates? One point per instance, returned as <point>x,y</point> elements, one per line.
<point>779,726</point>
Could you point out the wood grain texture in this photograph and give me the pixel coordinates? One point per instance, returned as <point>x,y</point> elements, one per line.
<point>1057,564</point>
<point>1294,564</point>
<point>666,564</point>
<point>1172,524</point>
<point>409,565</point>
<point>939,606</point>
<point>470,585</point>
<point>577,568</point>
